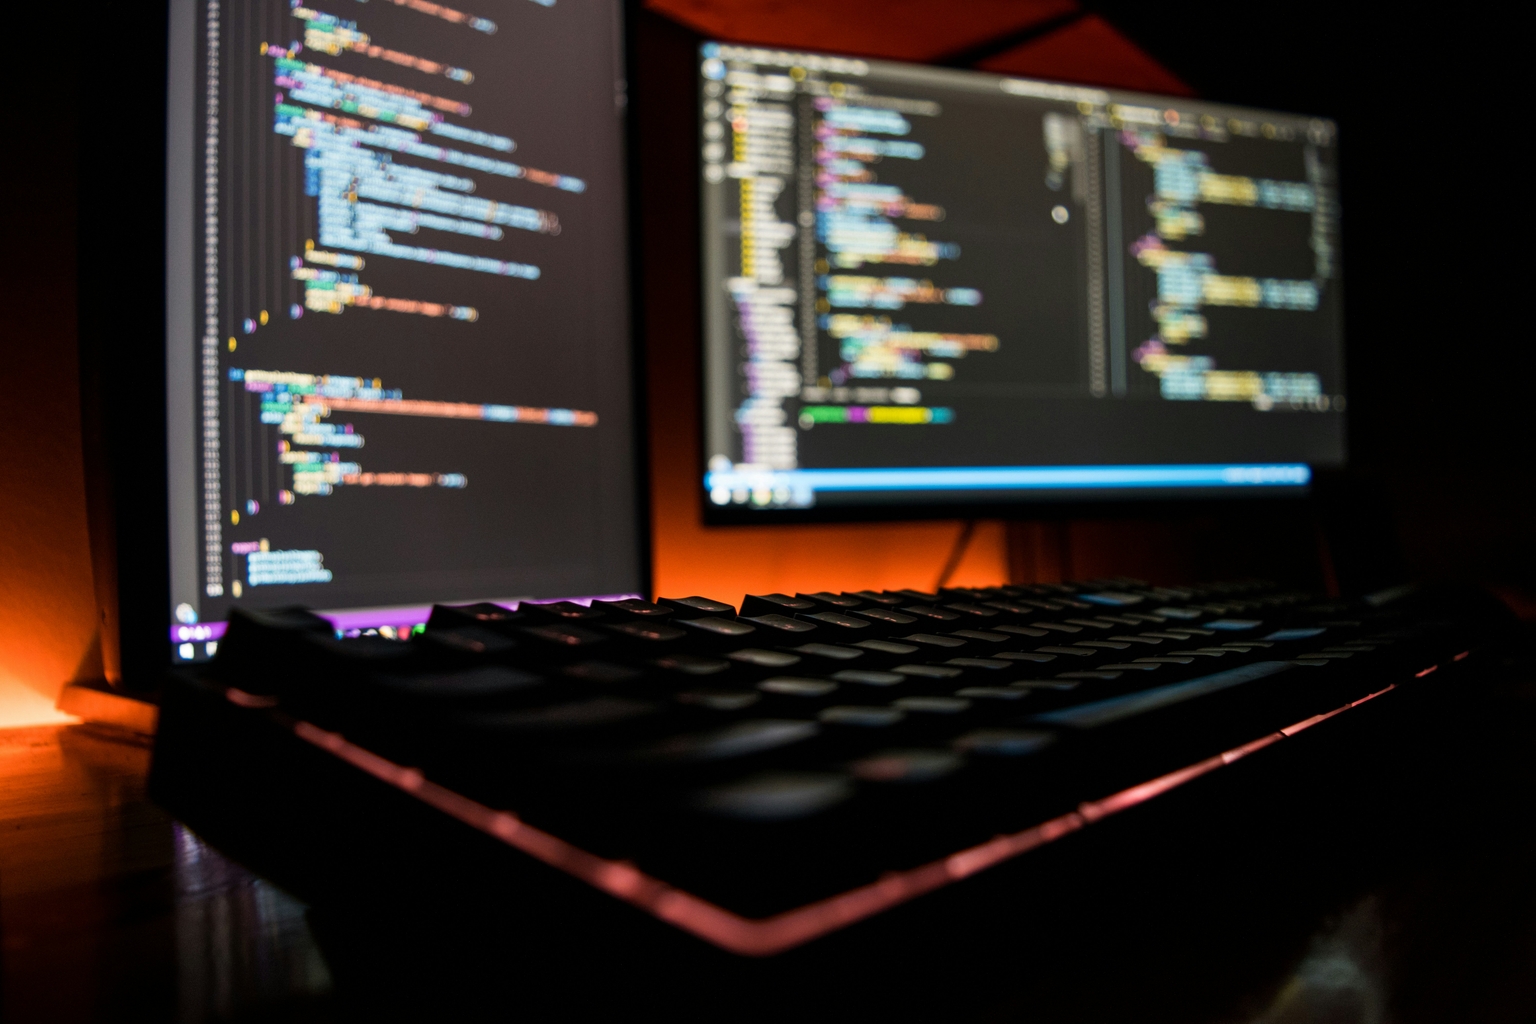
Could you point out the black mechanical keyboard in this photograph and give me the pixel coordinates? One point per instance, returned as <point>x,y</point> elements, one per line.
<point>765,776</point>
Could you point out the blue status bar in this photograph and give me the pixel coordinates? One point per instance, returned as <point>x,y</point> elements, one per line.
<point>798,487</point>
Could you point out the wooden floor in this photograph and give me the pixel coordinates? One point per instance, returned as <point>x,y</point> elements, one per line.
<point>110,910</point>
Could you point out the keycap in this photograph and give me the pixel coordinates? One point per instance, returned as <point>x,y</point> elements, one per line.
<point>695,606</point>
<point>932,705</point>
<point>929,671</point>
<point>648,631</point>
<point>491,681</point>
<point>991,693</point>
<point>1004,742</point>
<point>719,700</point>
<point>834,651</point>
<point>871,596</point>
<point>979,634</point>
<point>634,607</point>
<point>777,796</point>
<point>568,611</point>
<point>736,740</point>
<point>1025,656</point>
<point>860,716</point>
<point>929,640</point>
<point>906,765</point>
<point>791,686</point>
<point>837,620</point>
<point>774,604</point>
<point>717,627</point>
<point>864,677</point>
<point>822,597</point>
<point>929,612</point>
<point>1059,627</point>
<point>1022,630</point>
<point>782,624</point>
<point>887,647</point>
<point>1081,652</point>
<point>764,659</point>
<point>885,615</point>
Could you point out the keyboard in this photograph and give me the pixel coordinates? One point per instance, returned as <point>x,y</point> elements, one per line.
<point>762,777</point>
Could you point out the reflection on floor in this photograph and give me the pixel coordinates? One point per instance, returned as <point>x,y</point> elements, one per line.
<point>111,911</point>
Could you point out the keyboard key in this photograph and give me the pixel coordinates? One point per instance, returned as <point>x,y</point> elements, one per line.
<point>468,683</point>
<point>832,651</point>
<point>635,607</point>
<point>887,647</point>
<point>1022,630</point>
<point>774,604</point>
<point>824,598</point>
<point>838,620</point>
<point>595,712</point>
<point>696,605</point>
<point>887,616</point>
<point>1102,644</point>
<point>650,632</point>
<point>777,797</point>
<point>764,659</point>
<point>1088,675</point>
<point>979,634</point>
<point>1151,641</point>
<point>987,663</point>
<point>1168,660</point>
<point>929,671</point>
<point>781,623</point>
<point>692,664</point>
<point>1297,634</point>
<point>929,640</point>
<point>907,765</point>
<point>860,717</point>
<point>1004,742</point>
<point>1059,627</point>
<point>932,705</point>
<point>719,700</point>
<point>868,678</point>
<point>738,740</point>
<point>469,640</point>
<point>991,693</point>
<point>1025,656</point>
<point>1234,624</point>
<point>1081,652</point>
<point>564,636</point>
<point>929,612</point>
<point>790,686</point>
<point>601,673</point>
<point>888,600</point>
<point>974,610</point>
<point>567,611</point>
<point>1093,623</point>
<point>1134,666</point>
<point>718,627</point>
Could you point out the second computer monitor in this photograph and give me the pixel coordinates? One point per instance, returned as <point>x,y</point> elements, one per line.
<point>927,287</point>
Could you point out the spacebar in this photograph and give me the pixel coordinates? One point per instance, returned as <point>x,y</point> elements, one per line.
<point>1088,716</point>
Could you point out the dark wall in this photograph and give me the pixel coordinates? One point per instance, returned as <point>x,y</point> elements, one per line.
<point>1436,203</point>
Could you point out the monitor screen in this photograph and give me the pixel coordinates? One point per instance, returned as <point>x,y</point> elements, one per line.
<point>398,355</point>
<point>929,287</point>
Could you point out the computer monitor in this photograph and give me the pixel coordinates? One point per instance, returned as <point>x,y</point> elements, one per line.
<point>397,345</point>
<point>928,288</point>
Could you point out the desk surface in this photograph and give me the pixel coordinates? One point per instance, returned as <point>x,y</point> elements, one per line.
<point>111,910</point>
